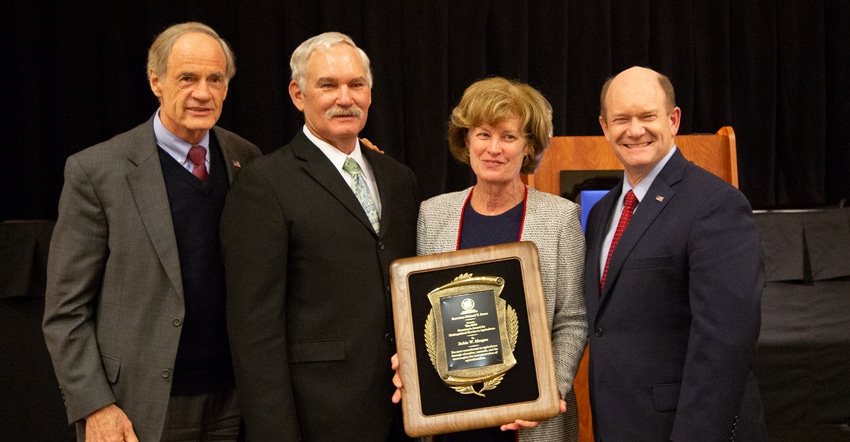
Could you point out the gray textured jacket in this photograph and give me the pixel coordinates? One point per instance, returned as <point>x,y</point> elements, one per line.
<point>553,224</point>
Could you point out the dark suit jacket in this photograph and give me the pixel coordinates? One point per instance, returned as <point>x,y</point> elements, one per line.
<point>309,307</point>
<point>673,332</point>
<point>114,298</point>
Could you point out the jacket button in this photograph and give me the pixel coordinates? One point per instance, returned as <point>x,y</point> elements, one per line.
<point>599,332</point>
<point>381,246</point>
<point>166,373</point>
<point>177,322</point>
<point>389,337</point>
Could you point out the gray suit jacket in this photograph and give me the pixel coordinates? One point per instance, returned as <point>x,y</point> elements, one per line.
<point>114,298</point>
<point>553,224</point>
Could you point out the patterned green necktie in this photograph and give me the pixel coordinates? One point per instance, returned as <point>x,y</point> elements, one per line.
<point>361,190</point>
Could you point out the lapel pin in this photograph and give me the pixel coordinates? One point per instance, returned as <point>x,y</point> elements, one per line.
<point>659,198</point>
<point>236,164</point>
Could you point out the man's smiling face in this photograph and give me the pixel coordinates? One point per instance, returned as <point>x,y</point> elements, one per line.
<point>639,122</point>
<point>194,87</point>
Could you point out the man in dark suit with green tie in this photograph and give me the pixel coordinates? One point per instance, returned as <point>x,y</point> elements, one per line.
<point>307,244</point>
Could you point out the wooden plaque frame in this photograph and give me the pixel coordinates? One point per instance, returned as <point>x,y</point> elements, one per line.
<point>422,412</point>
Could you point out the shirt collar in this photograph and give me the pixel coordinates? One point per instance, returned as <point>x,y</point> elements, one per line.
<point>643,186</point>
<point>174,145</point>
<point>335,155</point>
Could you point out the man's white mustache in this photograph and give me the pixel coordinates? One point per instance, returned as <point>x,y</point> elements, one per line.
<point>336,111</point>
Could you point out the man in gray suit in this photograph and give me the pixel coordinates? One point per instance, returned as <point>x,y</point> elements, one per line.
<point>134,310</point>
<point>308,308</point>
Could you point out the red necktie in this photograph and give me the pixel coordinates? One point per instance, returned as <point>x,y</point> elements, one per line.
<point>628,208</point>
<point>198,157</point>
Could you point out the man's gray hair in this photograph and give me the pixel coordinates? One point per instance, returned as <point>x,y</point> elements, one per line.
<point>323,42</point>
<point>161,48</point>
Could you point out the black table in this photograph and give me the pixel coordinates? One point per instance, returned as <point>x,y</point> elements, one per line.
<point>802,360</point>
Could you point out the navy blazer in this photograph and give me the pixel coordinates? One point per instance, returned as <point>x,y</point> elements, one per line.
<point>672,333</point>
<point>309,308</point>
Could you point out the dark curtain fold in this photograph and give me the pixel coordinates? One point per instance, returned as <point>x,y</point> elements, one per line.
<point>74,75</point>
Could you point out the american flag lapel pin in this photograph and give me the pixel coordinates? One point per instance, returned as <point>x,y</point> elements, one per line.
<point>659,198</point>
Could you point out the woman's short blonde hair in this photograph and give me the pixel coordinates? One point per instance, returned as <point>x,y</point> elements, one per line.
<point>494,100</point>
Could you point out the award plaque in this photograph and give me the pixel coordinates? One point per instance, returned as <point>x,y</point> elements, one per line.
<point>473,339</point>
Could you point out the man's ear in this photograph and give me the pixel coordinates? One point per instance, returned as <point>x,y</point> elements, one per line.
<point>156,84</point>
<point>604,125</point>
<point>296,95</point>
<point>675,119</point>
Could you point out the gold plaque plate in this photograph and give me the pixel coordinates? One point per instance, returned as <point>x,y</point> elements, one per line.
<point>471,343</point>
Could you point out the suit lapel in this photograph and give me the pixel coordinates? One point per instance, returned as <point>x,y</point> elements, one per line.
<point>597,231</point>
<point>233,161</point>
<point>148,187</point>
<point>230,164</point>
<point>323,171</point>
<point>382,179</point>
<point>656,199</point>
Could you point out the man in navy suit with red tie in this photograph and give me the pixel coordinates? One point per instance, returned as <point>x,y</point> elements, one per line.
<point>674,321</point>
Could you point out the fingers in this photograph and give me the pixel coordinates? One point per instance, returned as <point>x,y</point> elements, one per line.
<point>396,379</point>
<point>109,424</point>
<point>398,385</point>
<point>369,144</point>
<point>518,424</point>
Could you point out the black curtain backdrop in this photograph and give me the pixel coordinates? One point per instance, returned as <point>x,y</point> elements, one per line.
<point>73,75</point>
